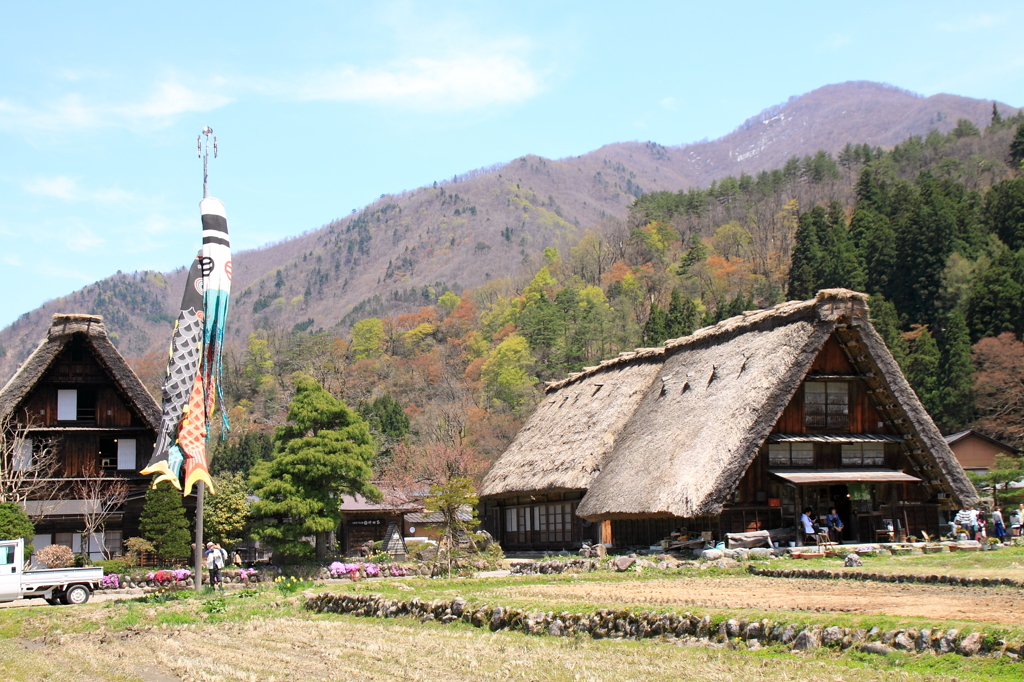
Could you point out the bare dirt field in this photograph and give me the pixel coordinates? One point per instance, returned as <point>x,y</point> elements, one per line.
<point>994,605</point>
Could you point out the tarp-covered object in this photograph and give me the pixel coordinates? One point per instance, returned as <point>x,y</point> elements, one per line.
<point>191,382</point>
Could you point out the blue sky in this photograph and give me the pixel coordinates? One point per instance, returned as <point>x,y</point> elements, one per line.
<point>322,107</point>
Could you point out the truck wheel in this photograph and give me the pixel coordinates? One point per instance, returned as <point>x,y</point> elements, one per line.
<point>76,594</point>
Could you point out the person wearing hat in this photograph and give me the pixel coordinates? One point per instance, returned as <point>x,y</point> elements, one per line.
<point>214,562</point>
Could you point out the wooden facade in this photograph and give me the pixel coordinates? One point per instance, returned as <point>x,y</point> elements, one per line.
<point>77,395</point>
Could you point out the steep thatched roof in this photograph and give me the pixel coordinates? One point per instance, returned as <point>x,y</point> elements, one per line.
<point>62,330</point>
<point>684,422</point>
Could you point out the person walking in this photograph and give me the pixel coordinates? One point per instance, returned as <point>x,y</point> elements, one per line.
<point>214,563</point>
<point>981,525</point>
<point>1015,522</point>
<point>998,529</point>
<point>835,526</point>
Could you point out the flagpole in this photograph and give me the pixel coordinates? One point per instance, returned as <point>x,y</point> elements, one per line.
<point>204,152</point>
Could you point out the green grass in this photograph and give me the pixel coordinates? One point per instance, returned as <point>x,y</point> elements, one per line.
<point>211,611</point>
<point>994,564</point>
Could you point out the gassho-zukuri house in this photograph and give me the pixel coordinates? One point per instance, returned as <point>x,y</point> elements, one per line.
<point>735,428</point>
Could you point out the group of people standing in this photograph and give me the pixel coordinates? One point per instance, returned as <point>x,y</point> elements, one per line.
<point>979,524</point>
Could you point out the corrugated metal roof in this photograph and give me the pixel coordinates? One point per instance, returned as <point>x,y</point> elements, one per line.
<point>833,438</point>
<point>801,476</point>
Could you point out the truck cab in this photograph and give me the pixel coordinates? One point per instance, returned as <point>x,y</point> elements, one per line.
<point>55,585</point>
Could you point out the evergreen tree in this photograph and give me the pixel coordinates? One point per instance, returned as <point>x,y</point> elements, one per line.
<point>922,369</point>
<point>1004,211</point>
<point>887,323</point>
<point>996,300</point>
<point>996,117</point>
<point>1017,146</point>
<point>656,327</point>
<point>683,316</point>
<point>163,523</point>
<point>324,452</point>
<point>805,266</point>
<point>15,523</point>
<point>241,454</point>
<point>956,375</point>
<point>876,242</point>
<point>841,265</point>
<point>386,416</point>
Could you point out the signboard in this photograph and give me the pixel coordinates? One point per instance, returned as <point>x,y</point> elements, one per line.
<point>366,522</point>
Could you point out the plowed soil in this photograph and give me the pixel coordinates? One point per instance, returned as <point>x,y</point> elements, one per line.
<point>993,605</point>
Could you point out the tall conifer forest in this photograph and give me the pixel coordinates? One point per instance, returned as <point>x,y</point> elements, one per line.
<point>932,229</point>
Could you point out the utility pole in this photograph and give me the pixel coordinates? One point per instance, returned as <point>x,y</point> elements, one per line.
<point>204,153</point>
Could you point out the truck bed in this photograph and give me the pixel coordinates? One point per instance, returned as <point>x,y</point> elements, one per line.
<point>39,581</point>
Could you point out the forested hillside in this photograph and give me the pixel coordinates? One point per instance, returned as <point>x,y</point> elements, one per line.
<point>405,250</point>
<point>933,229</point>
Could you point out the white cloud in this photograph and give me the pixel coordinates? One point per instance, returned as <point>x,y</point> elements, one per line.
<point>169,100</point>
<point>81,238</point>
<point>458,82</point>
<point>836,41</point>
<point>669,103</point>
<point>67,189</point>
<point>973,22</point>
<point>60,187</point>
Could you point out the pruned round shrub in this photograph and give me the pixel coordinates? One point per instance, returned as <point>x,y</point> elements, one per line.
<point>55,556</point>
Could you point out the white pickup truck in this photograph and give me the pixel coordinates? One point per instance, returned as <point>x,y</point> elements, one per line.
<point>55,585</point>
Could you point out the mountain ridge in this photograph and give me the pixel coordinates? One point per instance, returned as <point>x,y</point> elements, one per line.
<point>489,223</point>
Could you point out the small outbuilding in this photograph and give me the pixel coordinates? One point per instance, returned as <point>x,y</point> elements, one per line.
<point>977,452</point>
<point>735,428</point>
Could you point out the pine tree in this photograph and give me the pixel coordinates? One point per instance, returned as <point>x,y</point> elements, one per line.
<point>1017,146</point>
<point>324,452</point>
<point>683,316</point>
<point>887,323</point>
<point>1004,211</point>
<point>841,265</point>
<point>163,523</point>
<point>956,375</point>
<point>805,265</point>
<point>656,327</point>
<point>15,523</point>
<point>922,368</point>
<point>996,300</point>
<point>876,241</point>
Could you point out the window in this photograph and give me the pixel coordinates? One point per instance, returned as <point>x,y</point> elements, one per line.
<point>6,555</point>
<point>67,405</point>
<point>863,454</point>
<point>791,454</point>
<point>23,456</point>
<point>85,411</point>
<point>66,539</point>
<point>108,454</point>
<point>112,542</point>
<point>126,454</point>
<point>826,404</point>
<point>543,523</point>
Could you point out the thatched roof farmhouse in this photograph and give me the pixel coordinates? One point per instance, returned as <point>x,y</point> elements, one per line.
<point>731,429</point>
<point>76,395</point>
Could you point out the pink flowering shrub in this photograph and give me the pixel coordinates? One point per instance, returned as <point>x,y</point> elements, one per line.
<point>111,581</point>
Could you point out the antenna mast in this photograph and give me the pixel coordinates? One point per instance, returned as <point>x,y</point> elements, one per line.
<point>204,154</point>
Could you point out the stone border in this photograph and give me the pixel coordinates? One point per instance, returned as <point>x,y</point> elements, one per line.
<point>627,624</point>
<point>824,574</point>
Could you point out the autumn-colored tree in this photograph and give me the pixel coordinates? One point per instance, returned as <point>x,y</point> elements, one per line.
<point>999,387</point>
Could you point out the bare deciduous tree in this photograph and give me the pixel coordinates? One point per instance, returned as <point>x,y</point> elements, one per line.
<point>28,466</point>
<point>102,497</point>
